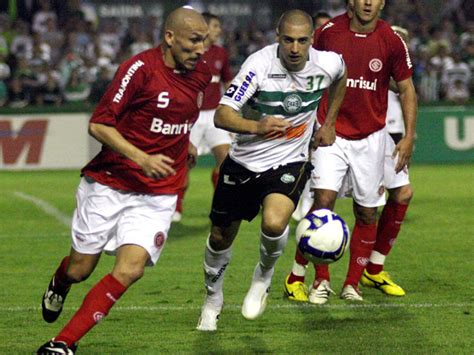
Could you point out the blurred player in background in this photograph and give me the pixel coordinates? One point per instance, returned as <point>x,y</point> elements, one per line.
<point>373,53</point>
<point>267,166</point>
<point>127,193</point>
<point>204,134</point>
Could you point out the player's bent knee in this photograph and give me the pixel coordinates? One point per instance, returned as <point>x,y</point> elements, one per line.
<point>273,227</point>
<point>401,195</point>
<point>129,275</point>
<point>77,274</point>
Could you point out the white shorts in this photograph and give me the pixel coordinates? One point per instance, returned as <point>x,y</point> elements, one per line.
<point>204,134</point>
<point>391,179</point>
<point>106,219</point>
<point>362,161</point>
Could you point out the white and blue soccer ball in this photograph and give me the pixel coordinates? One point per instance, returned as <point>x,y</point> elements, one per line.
<point>322,236</point>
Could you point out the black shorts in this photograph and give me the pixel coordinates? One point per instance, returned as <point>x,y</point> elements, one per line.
<point>240,192</point>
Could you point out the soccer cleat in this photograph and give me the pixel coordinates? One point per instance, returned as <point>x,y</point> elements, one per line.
<point>383,282</point>
<point>209,316</point>
<point>296,291</point>
<point>52,303</point>
<point>255,301</point>
<point>351,293</point>
<point>320,292</point>
<point>53,347</point>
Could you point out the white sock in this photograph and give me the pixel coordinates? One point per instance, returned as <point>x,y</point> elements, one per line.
<point>271,249</point>
<point>298,269</point>
<point>306,199</point>
<point>215,264</point>
<point>377,258</point>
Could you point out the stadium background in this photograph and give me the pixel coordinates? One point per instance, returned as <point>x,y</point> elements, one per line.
<point>432,260</point>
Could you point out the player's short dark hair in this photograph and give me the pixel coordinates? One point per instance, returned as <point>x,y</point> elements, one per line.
<point>320,14</point>
<point>289,14</point>
<point>208,17</point>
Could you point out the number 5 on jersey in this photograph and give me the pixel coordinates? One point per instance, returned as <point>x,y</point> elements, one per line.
<point>163,99</point>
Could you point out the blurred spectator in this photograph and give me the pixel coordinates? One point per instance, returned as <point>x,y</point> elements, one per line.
<point>41,17</point>
<point>141,43</point>
<point>77,89</point>
<point>458,92</point>
<point>22,42</point>
<point>100,84</point>
<point>18,97</point>
<point>429,84</point>
<point>455,71</point>
<point>5,73</point>
<point>441,59</point>
<point>55,39</point>
<point>50,93</point>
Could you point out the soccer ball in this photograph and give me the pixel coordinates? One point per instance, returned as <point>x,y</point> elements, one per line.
<point>322,237</point>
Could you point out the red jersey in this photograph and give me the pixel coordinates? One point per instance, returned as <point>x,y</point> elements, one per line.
<point>153,107</point>
<point>371,59</point>
<point>218,61</point>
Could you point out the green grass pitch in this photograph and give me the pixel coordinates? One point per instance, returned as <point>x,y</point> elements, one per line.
<point>433,260</point>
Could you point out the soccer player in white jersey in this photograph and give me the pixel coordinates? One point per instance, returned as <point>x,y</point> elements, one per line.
<point>268,163</point>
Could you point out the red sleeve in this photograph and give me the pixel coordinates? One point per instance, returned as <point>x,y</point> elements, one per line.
<point>402,66</point>
<point>226,72</point>
<point>119,96</point>
<point>317,41</point>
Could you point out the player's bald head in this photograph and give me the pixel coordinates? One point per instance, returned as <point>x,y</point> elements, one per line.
<point>184,18</point>
<point>295,18</point>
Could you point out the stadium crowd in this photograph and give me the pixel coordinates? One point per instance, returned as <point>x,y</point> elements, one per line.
<point>66,53</point>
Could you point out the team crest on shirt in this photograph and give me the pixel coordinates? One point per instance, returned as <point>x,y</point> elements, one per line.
<point>292,103</point>
<point>218,64</point>
<point>287,178</point>
<point>159,240</point>
<point>200,99</point>
<point>375,65</point>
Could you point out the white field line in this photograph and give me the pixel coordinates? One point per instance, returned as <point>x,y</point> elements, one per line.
<point>290,306</point>
<point>46,208</point>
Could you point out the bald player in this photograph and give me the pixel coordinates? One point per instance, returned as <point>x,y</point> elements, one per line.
<point>267,166</point>
<point>127,193</point>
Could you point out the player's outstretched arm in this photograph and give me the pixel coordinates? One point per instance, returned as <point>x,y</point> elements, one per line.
<point>155,166</point>
<point>326,134</point>
<point>227,118</point>
<point>408,101</point>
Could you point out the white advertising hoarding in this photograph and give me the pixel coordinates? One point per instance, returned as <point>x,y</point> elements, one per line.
<point>45,141</point>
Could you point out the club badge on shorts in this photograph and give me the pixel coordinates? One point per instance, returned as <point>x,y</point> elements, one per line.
<point>287,178</point>
<point>200,99</point>
<point>159,240</point>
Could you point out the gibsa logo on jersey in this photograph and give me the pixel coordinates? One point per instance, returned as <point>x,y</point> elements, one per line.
<point>126,79</point>
<point>292,103</point>
<point>158,126</point>
<point>244,86</point>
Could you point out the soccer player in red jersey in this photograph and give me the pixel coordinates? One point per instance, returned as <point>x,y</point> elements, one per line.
<point>204,134</point>
<point>374,54</point>
<point>127,193</point>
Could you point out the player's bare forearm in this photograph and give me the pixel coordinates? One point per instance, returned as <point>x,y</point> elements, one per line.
<point>326,134</point>
<point>408,101</point>
<point>152,165</point>
<point>337,91</point>
<point>227,118</point>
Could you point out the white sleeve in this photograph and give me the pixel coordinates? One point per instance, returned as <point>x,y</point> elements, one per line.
<point>244,85</point>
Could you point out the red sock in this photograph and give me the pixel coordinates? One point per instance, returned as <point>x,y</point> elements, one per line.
<point>95,306</point>
<point>61,281</point>
<point>179,202</point>
<point>362,243</point>
<point>215,177</point>
<point>302,261</point>
<point>321,272</point>
<point>388,228</point>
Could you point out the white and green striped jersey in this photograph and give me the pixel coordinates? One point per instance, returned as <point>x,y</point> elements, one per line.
<point>265,87</point>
